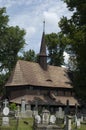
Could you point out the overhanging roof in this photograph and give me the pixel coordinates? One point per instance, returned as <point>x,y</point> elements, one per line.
<point>45,100</point>
<point>30,73</point>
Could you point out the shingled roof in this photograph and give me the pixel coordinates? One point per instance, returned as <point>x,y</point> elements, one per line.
<point>30,73</point>
<point>41,99</point>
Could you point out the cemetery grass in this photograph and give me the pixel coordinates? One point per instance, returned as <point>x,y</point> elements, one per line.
<point>25,124</point>
<point>83,127</point>
<point>22,124</point>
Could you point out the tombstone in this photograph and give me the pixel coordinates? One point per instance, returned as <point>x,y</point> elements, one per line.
<point>36,106</point>
<point>75,119</point>
<point>52,119</point>
<point>28,107</point>
<point>5,103</point>
<point>60,113</point>
<point>5,119</point>
<point>45,116</point>
<point>68,122</point>
<point>82,119</point>
<point>35,112</point>
<point>28,113</point>
<point>37,119</point>
<point>78,124</point>
<point>65,120</point>
<point>23,104</point>
<point>17,112</point>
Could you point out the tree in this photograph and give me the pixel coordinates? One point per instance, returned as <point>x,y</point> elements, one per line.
<point>11,42</point>
<point>29,56</point>
<point>55,46</point>
<point>75,31</point>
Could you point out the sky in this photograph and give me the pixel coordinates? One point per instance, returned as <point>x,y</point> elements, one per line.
<point>30,14</point>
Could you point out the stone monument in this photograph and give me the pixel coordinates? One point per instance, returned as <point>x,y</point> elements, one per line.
<point>45,116</point>
<point>37,119</point>
<point>52,119</point>
<point>23,105</point>
<point>5,118</point>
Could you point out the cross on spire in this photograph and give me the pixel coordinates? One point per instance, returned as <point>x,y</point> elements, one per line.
<point>44,26</point>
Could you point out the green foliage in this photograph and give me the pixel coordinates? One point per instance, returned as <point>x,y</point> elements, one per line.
<point>55,46</point>
<point>13,106</point>
<point>11,42</point>
<point>29,56</point>
<point>75,31</point>
<point>3,79</point>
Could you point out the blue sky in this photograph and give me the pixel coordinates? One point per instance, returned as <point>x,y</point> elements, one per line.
<point>30,14</point>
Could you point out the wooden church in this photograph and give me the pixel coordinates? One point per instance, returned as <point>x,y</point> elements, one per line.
<point>40,84</point>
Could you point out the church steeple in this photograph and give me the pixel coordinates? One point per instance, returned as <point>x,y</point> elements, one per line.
<point>42,54</point>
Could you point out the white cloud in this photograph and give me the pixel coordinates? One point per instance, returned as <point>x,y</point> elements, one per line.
<point>29,14</point>
<point>29,32</point>
<point>51,18</point>
<point>51,21</point>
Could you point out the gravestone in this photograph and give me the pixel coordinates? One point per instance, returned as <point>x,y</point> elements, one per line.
<point>17,112</point>
<point>78,124</point>
<point>75,119</point>
<point>5,119</point>
<point>65,120</point>
<point>60,113</point>
<point>45,116</point>
<point>28,107</point>
<point>23,105</point>
<point>28,113</point>
<point>68,122</point>
<point>82,119</point>
<point>52,119</point>
<point>37,119</point>
<point>36,106</point>
<point>35,112</point>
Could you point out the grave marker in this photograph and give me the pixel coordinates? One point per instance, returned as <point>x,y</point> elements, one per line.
<point>5,119</point>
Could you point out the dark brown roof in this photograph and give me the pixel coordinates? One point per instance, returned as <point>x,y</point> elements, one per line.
<point>30,73</point>
<point>41,99</point>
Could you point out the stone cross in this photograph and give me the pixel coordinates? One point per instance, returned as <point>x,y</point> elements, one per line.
<point>5,118</point>
<point>5,103</point>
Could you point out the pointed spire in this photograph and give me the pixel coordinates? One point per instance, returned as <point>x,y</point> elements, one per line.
<point>42,55</point>
<point>43,46</point>
<point>44,26</point>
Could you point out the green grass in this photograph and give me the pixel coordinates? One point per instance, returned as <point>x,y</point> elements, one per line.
<point>83,127</point>
<point>27,124</point>
<point>23,124</point>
